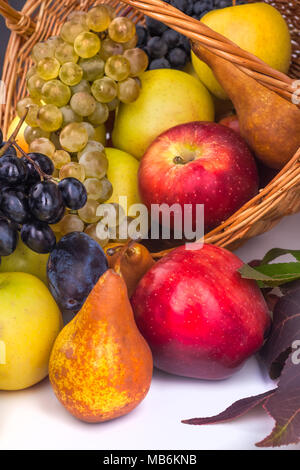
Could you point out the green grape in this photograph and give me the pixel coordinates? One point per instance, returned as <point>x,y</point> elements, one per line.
<point>69,115</point>
<point>117,68</point>
<point>121,29</point>
<point>91,231</point>
<point>70,223</point>
<point>30,72</point>
<point>110,48</point>
<point>90,130</point>
<point>54,41</point>
<point>91,146</point>
<point>88,212</point>
<point>65,53</point>
<point>32,115</point>
<point>93,187</point>
<point>78,17</point>
<point>49,118</point>
<point>138,61</point>
<point>48,68</point>
<point>61,158</point>
<point>83,103</point>
<point>41,50</point>
<point>87,45</point>
<point>73,137</point>
<point>100,190</point>
<point>104,90</point>
<point>100,115</point>
<point>93,68</point>
<point>112,105</point>
<point>33,133</point>
<point>111,10</point>
<point>34,86</point>
<point>131,44</point>
<point>72,29</point>
<point>70,73</point>
<point>82,86</point>
<point>25,103</point>
<point>42,145</point>
<point>98,18</point>
<point>128,90</point>
<point>106,190</point>
<point>57,93</point>
<point>95,164</point>
<point>72,170</point>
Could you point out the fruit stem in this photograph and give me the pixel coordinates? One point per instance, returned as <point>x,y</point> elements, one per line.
<point>178,160</point>
<point>14,134</point>
<point>117,266</point>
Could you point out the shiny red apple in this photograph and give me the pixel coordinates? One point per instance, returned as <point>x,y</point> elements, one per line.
<point>199,163</point>
<point>200,318</point>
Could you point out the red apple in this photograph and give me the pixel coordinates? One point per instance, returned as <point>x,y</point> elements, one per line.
<point>199,163</point>
<point>232,122</point>
<point>199,317</point>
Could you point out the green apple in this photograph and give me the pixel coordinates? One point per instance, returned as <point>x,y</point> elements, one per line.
<point>26,261</point>
<point>256,27</point>
<point>30,321</point>
<point>168,97</point>
<point>122,173</point>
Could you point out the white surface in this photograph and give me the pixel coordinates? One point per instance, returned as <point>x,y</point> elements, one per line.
<point>34,419</point>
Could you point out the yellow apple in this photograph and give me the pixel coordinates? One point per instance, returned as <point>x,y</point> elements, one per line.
<point>30,322</point>
<point>256,27</point>
<point>122,173</point>
<point>168,98</point>
<point>26,261</point>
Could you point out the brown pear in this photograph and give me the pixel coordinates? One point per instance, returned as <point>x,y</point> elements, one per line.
<point>269,123</point>
<point>100,366</point>
<point>132,262</point>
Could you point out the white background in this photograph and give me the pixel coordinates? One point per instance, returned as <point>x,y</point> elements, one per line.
<point>34,419</point>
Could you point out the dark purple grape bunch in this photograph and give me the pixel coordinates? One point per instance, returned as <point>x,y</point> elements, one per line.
<point>167,48</point>
<point>31,200</point>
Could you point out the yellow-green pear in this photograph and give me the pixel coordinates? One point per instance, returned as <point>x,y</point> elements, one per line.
<point>122,173</point>
<point>168,98</point>
<point>256,27</point>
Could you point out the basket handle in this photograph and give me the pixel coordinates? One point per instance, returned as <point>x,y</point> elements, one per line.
<point>16,20</point>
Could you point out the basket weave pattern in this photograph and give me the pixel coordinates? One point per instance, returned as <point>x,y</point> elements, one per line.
<point>40,19</point>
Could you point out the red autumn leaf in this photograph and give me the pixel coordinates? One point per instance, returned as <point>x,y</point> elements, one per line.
<point>284,407</point>
<point>235,410</point>
<point>285,328</point>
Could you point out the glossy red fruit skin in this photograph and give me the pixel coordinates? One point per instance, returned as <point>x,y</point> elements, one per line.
<point>199,317</point>
<point>223,175</point>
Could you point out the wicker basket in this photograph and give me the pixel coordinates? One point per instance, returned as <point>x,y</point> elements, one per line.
<point>40,19</point>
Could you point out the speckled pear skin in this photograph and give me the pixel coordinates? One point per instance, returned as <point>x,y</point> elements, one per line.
<point>101,366</point>
<point>134,264</point>
<point>269,123</point>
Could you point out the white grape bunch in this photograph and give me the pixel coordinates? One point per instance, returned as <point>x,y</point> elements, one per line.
<point>78,79</point>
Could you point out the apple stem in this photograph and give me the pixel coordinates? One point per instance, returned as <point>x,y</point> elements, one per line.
<point>178,160</point>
